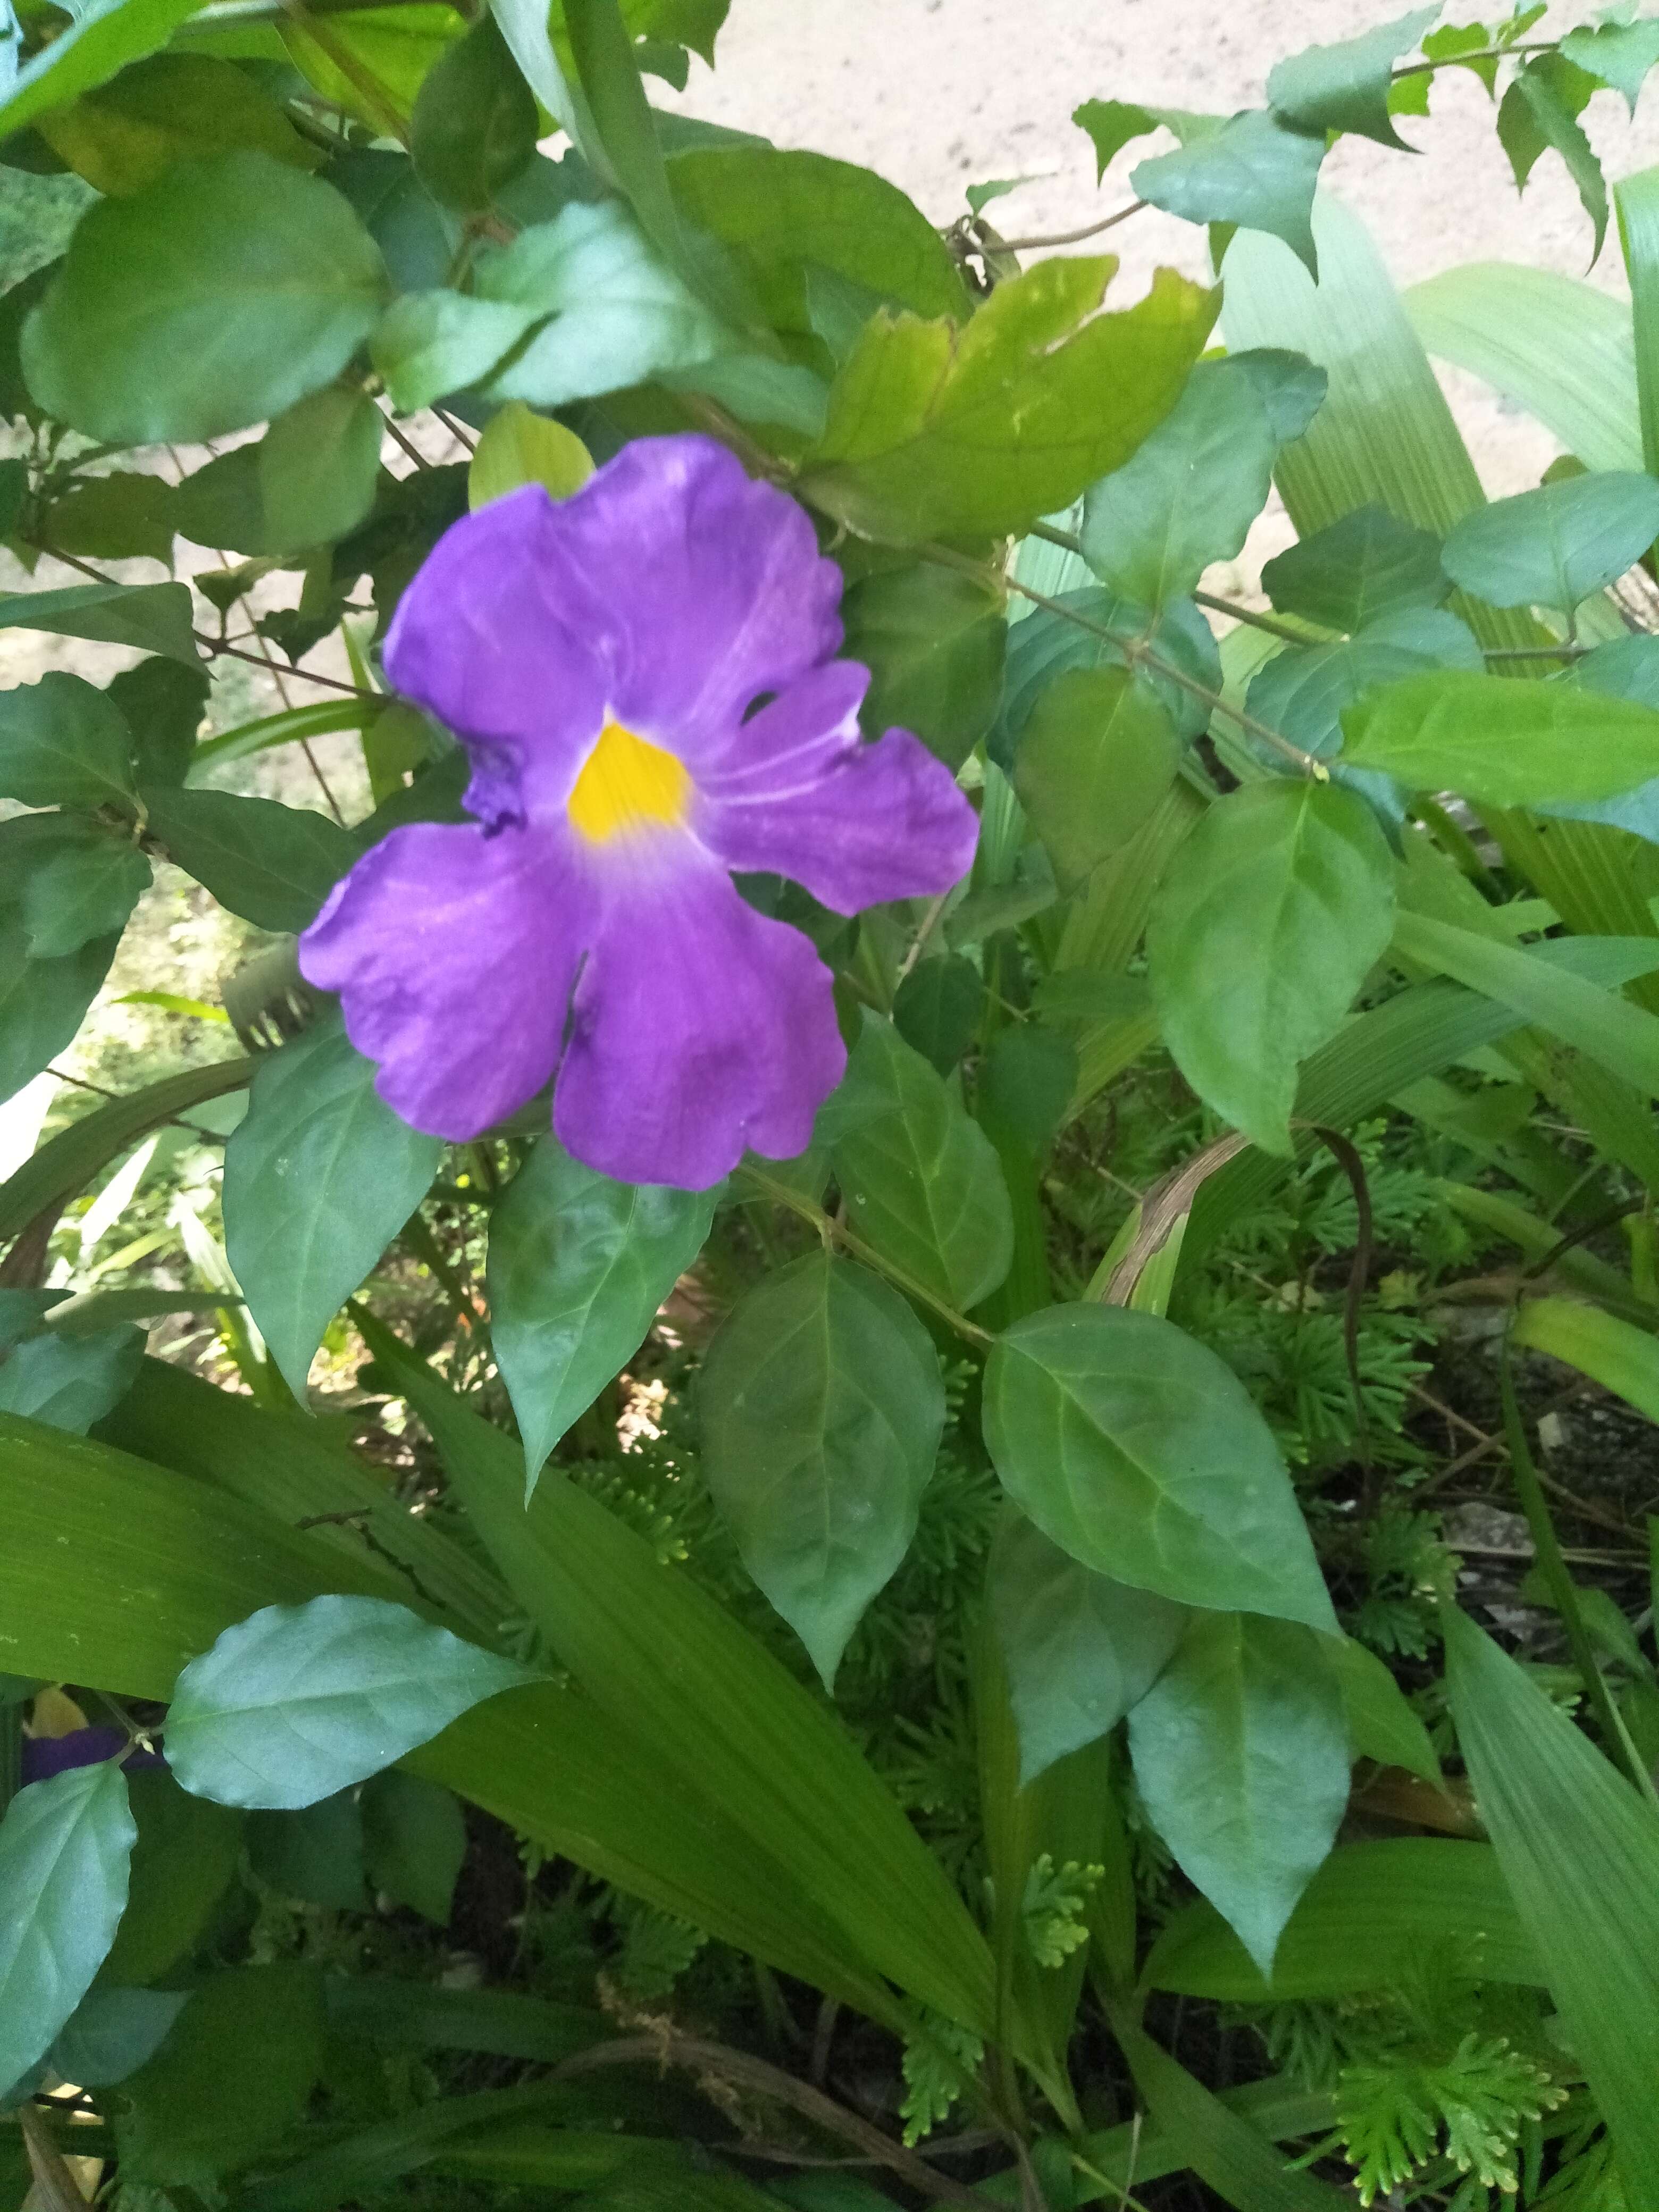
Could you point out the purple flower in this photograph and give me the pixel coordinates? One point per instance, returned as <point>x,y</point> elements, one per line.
<point>644,677</point>
<point>46,1755</point>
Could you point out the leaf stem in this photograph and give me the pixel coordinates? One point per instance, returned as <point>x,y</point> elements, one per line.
<point>1475,54</point>
<point>1063,237</point>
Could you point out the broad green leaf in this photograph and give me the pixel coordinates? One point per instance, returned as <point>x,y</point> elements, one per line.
<point>579,1265</point>
<point>1097,754</point>
<point>64,1849</point>
<point>257,2034</point>
<point>314,1856</point>
<point>1580,1852</point>
<point>1364,570</point>
<point>1134,1448</point>
<point>934,641</point>
<point>1080,1650</point>
<point>319,466</point>
<point>120,517</point>
<point>1346,87</point>
<point>1112,125</point>
<point>1619,1036</point>
<point>374,65</point>
<point>428,344</point>
<point>1251,170</point>
<point>936,1009</point>
<point>223,505</point>
<point>415,1840</point>
<point>620,136</point>
<point>821,1408</point>
<point>1617,1355</point>
<point>1027,1081</point>
<point>86,889</point>
<point>1045,643</point>
<point>474,127</point>
<point>41,1001</point>
<point>1240,1757</point>
<point>1500,742</point>
<point>920,1180</point>
<point>610,312</point>
<point>1189,496</point>
<point>1381,1724</point>
<point>320,1177</point>
<point>70,1382</point>
<point>273,865</point>
<point>1265,926</point>
<point>168,109</point>
<point>1638,202</point>
<point>1556,546</point>
<point>1541,110</point>
<point>1620,54</point>
<point>63,743</point>
<point>937,432</point>
<point>520,447</point>
<point>101,39</point>
<point>1365,1921</point>
<point>113,2032</point>
<point>216,297</point>
<point>298,1701</point>
<point>183,1863</point>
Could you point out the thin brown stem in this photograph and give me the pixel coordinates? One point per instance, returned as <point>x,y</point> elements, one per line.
<point>216,648</point>
<point>269,659</point>
<point>401,438</point>
<point>1252,618</point>
<point>929,923</point>
<point>456,431</point>
<point>1069,237</point>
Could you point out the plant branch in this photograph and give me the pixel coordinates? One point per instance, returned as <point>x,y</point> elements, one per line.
<point>1475,54</point>
<point>1066,237</point>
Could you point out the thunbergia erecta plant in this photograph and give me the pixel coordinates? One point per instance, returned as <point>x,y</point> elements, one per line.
<point>645,678</point>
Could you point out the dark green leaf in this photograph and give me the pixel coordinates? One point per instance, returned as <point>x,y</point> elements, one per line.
<point>1251,170</point>
<point>103,38</point>
<point>1240,1757</point>
<point>1265,926</point>
<point>41,1001</point>
<point>183,1863</point>
<point>933,642</point>
<point>1111,125</point>
<point>217,297</point>
<point>1346,87</point>
<point>1541,110</point>
<point>821,1408</point>
<point>86,889</point>
<point>1190,493</point>
<point>314,1856</point>
<point>1503,743</point>
<point>256,2034</point>
<point>578,1267</point>
<point>156,617</point>
<point>1134,1448</point>
<point>319,1177</point>
<point>1027,1079</point>
<point>474,127</point>
<point>64,1849</point>
<point>431,343</point>
<point>1097,754</point>
<point>113,2031</point>
<point>13,492</point>
<point>168,109</point>
<point>70,1382</point>
<point>415,1838</point>
<point>273,865</point>
<point>936,1009</point>
<point>120,517</point>
<point>1080,1650</point>
<point>297,1702</point>
<point>417,239</point>
<point>1040,645</point>
<point>405,2015</point>
<point>163,704</point>
<point>318,467</point>
<point>1381,1722</point>
<point>223,505</point>
<point>1556,546</point>
<point>934,432</point>
<point>921,1182</point>
<point>1620,54</point>
<point>1359,571</point>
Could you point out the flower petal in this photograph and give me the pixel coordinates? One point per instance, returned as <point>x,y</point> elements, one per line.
<point>453,953</point>
<point>492,636</point>
<point>707,588</point>
<point>700,1030</point>
<point>799,792</point>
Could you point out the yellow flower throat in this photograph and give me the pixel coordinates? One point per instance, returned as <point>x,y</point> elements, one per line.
<point>627,784</point>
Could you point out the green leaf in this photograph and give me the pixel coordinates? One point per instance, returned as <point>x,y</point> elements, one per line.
<point>1043,644</point>
<point>474,128</point>
<point>298,1701</point>
<point>166,109</point>
<point>65,1848</point>
<point>936,431</point>
<point>1381,1721</point>
<point>320,1177</point>
<point>117,517</point>
<point>415,1836</point>
<point>1027,1081</point>
<point>103,38</point>
<point>936,1009</point>
<point>1541,110</point>
<point>315,1856</point>
<point>620,138</point>
<point>1556,546</point>
<point>257,2034</point>
<point>85,889</point>
<point>156,617</point>
<point>579,1265</point>
<point>1097,754</point>
<point>113,2031</point>
<point>1361,570</point>
<point>376,62</point>
<point>921,1181</point>
<point>933,641</point>
<point>1080,1650</point>
<point>1618,54</point>
<point>1251,170</point>
<point>1618,1356</point>
<point>610,313</point>
<point>41,1001</point>
<point>1240,1757</point>
<point>1555,1808</point>
<point>1265,926</point>
<point>184,1861</point>
<point>428,344</point>
<point>62,743</point>
<point>1190,493</point>
<point>1111,125</point>
<point>216,297</point>
<point>821,1408</point>
<point>519,448</point>
<point>163,705</point>
<point>318,467</point>
<point>1500,742</point>
<point>1346,87</point>
<point>1135,1449</point>
<point>70,1382</point>
<point>273,865</point>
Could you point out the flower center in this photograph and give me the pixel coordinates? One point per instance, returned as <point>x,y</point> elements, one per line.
<point>627,784</point>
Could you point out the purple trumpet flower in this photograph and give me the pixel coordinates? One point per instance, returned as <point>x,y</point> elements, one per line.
<point>644,677</point>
